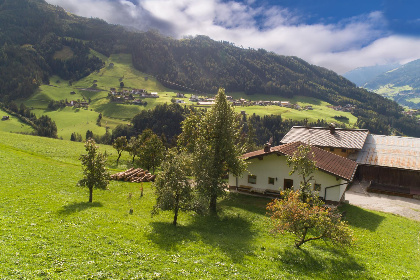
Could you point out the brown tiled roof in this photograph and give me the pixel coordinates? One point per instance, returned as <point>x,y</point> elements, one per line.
<point>326,161</point>
<point>322,137</point>
<point>391,151</point>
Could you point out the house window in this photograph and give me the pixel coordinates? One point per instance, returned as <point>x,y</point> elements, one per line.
<point>331,149</point>
<point>252,179</point>
<point>270,181</point>
<point>343,150</point>
<point>288,184</point>
<point>317,187</point>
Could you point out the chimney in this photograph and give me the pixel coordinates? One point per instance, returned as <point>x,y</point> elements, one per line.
<point>332,128</point>
<point>267,147</point>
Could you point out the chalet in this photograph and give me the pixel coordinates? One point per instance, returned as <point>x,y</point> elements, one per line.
<point>391,164</point>
<point>179,101</point>
<point>285,104</point>
<point>268,172</point>
<point>340,141</point>
<point>205,103</point>
<point>5,118</point>
<point>180,95</point>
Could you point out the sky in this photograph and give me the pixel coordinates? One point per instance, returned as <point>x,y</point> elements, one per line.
<point>340,35</point>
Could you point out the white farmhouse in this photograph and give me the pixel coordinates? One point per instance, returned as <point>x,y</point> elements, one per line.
<point>268,172</point>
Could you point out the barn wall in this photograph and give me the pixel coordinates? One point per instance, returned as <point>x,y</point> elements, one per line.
<point>389,176</point>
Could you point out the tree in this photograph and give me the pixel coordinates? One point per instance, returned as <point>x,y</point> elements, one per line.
<point>46,127</point>
<point>89,134</point>
<point>133,147</point>
<point>151,151</point>
<point>121,84</point>
<point>172,189</point>
<point>120,144</point>
<point>216,148</point>
<point>99,119</point>
<point>308,221</point>
<point>302,162</point>
<point>95,174</point>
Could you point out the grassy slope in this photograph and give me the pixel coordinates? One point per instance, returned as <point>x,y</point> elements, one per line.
<point>70,120</point>
<point>320,109</point>
<point>13,124</point>
<point>49,231</point>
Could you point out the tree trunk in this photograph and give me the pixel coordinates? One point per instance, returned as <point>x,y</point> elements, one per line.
<point>90,194</point>
<point>175,216</point>
<point>212,207</point>
<point>119,155</point>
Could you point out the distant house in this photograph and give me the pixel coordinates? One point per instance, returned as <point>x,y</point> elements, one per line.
<point>268,172</point>
<point>180,95</point>
<point>205,103</point>
<point>340,141</point>
<point>178,101</point>
<point>285,104</point>
<point>5,118</point>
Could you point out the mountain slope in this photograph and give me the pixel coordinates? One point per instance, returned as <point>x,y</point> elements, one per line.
<point>198,63</point>
<point>405,75</point>
<point>362,75</point>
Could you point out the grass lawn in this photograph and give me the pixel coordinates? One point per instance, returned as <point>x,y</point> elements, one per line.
<point>49,231</point>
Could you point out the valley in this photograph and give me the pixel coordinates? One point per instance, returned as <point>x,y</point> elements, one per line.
<point>71,119</point>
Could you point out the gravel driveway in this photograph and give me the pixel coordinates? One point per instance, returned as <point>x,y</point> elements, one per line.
<point>406,207</point>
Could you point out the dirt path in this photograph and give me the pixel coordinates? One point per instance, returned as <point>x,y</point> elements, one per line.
<point>406,207</point>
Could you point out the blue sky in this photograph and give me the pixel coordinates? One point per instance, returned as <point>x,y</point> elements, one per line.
<point>337,34</point>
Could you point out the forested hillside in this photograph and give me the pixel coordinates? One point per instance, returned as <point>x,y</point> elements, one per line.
<point>32,32</point>
<point>407,74</point>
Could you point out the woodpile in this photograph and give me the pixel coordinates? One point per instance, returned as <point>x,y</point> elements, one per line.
<point>134,175</point>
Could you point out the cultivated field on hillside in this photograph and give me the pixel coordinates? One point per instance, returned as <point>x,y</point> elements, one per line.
<point>49,231</point>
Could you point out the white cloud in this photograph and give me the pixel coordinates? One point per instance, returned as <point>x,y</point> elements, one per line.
<point>354,42</point>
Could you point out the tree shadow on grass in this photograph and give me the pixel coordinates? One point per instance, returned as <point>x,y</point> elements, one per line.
<point>78,207</point>
<point>250,203</point>
<point>361,218</point>
<point>321,260</point>
<point>231,235</point>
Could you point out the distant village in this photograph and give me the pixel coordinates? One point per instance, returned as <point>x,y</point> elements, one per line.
<point>137,96</point>
<point>131,96</point>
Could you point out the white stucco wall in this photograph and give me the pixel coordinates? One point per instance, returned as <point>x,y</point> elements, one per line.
<point>275,166</point>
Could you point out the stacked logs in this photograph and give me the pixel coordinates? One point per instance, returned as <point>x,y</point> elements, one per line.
<point>134,175</point>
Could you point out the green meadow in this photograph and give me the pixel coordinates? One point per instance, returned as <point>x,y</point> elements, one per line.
<point>320,109</point>
<point>13,124</point>
<point>49,231</point>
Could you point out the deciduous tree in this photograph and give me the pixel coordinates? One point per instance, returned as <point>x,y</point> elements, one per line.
<point>152,150</point>
<point>95,174</point>
<point>308,221</point>
<point>172,189</point>
<point>120,144</point>
<point>302,162</point>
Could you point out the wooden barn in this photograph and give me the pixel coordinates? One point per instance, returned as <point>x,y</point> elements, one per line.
<point>391,164</point>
